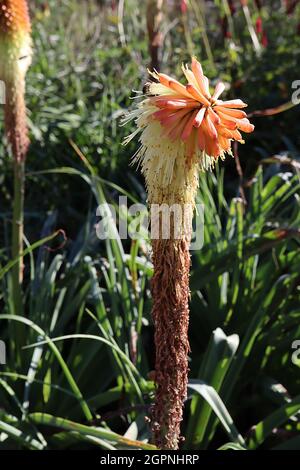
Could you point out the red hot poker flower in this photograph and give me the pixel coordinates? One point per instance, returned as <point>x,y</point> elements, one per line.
<point>191,114</point>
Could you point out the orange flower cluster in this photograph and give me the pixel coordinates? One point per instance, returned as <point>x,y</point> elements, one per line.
<point>201,120</point>
<point>14,17</point>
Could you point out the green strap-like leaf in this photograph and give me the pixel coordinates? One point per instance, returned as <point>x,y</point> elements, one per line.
<point>213,399</point>
<point>265,427</point>
<point>100,432</point>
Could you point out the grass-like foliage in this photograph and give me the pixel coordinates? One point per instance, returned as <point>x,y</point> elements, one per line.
<point>79,361</point>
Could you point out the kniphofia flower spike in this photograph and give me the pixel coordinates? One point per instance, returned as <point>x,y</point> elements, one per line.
<point>15,58</point>
<point>182,128</point>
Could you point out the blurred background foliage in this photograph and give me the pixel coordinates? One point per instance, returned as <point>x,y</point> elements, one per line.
<point>94,296</point>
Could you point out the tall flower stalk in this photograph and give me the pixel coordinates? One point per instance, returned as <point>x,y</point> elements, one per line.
<point>15,58</point>
<point>182,129</point>
<point>154,20</point>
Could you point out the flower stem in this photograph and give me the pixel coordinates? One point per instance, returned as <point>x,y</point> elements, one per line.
<point>17,331</point>
<point>17,235</point>
<point>17,136</point>
<point>154,20</point>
